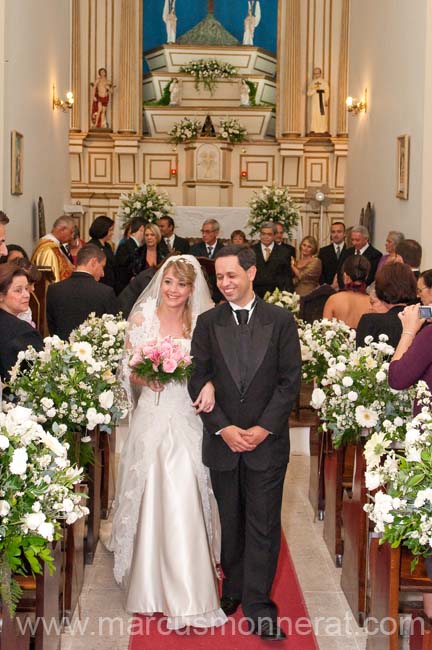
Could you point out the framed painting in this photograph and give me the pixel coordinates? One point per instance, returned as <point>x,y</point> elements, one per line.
<point>402,171</point>
<point>17,141</point>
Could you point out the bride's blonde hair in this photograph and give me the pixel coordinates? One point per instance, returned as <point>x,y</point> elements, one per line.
<point>185,272</point>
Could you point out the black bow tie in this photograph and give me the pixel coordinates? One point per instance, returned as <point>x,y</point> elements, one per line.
<point>242,316</point>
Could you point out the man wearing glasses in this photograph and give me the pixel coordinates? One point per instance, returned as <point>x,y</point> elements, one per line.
<point>210,244</point>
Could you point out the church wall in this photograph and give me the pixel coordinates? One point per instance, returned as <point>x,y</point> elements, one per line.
<point>36,51</point>
<point>387,56</point>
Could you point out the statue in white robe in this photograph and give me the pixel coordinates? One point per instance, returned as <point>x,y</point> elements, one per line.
<point>318,91</point>
<point>170,19</point>
<point>251,21</point>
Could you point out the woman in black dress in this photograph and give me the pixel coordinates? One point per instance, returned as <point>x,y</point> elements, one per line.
<point>101,232</point>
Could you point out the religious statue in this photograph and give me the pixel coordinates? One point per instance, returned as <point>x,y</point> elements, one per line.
<point>102,89</point>
<point>251,21</point>
<point>244,93</point>
<point>174,92</point>
<point>318,91</point>
<point>170,19</point>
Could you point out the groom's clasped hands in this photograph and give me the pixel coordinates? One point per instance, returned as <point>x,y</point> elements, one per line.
<point>239,440</point>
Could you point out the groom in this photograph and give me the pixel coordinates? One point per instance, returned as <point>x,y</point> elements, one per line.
<point>250,350</point>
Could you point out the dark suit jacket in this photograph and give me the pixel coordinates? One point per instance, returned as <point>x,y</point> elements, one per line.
<point>139,262</point>
<point>129,295</point>
<point>330,264</point>
<point>276,272</point>
<point>373,255</point>
<point>16,335</point>
<point>181,245</point>
<point>291,250</point>
<point>272,385</point>
<point>71,301</point>
<point>200,249</point>
<point>376,324</point>
<point>110,270</point>
<point>124,257</point>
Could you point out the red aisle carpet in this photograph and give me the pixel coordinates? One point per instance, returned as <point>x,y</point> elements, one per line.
<point>234,636</point>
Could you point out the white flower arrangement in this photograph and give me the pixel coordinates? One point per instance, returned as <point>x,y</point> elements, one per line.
<point>231,130</point>
<point>208,72</point>
<point>402,507</point>
<point>37,490</point>
<point>273,204</point>
<point>321,341</point>
<point>284,299</point>
<point>106,335</point>
<point>185,130</point>
<point>145,201</point>
<point>353,398</point>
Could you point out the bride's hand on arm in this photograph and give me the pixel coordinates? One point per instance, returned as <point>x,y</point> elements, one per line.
<point>206,399</point>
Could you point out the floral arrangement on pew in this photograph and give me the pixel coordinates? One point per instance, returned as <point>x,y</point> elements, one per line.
<point>231,130</point>
<point>37,490</point>
<point>322,341</point>
<point>208,72</point>
<point>355,397</point>
<point>402,507</point>
<point>284,299</point>
<point>106,335</point>
<point>273,204</point>
<point>145,201</point>
<point>68,388</point>
<point>185,130</point>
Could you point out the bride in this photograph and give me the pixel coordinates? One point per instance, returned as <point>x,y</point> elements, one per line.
<point>166,534</point>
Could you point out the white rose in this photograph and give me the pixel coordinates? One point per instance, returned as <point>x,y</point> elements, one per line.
<point>18,464</point>
<point>318,398</point>
<point>46,530</point>
<point>72,518</point>
<point>372,480</point>
<point>67,505</point>
<point>127,210</point>
<point>17,416</point>
<point>347,382</point>
<point>337,389</point>
<point>4,442</point>
<point>352,396</point>
<point>380,376</point>
<point>106,399</point>
<point>34,519</point>
<point>4,508</point>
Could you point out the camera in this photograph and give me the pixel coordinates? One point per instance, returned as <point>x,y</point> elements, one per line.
<point>425,311</point>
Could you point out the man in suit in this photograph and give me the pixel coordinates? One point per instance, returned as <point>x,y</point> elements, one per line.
<point>273,263</point>
<point>71,301</point>
<point>170,240</point>
<point>333,256</point>
<point>410,252</point>
<point>250,350</point>
<point>279,239</point>
<point>208,247</point>
<point>126,250</point>
<point>361,246</point>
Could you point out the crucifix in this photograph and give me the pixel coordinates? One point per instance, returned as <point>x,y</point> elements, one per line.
<point>210,5</point>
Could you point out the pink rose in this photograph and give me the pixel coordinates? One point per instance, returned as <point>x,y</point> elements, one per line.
<point>169,365</point>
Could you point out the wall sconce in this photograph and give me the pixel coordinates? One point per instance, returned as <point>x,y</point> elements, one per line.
<point>173,171</point>
<point>244,173</point>
<point>63,104</point>
<point>355,105</point>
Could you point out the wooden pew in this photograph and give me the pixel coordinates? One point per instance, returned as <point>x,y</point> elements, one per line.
<point>38,299</point>
<point>317,441</point>
<point>94,500</point>
<point>13,636</point>
<point>73,577</point>
<point>108,445</point>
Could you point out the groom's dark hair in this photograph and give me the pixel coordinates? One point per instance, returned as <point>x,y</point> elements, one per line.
<point>245,255</point>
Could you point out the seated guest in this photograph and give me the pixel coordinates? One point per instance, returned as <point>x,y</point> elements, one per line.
<point>150,253</point>
<point>273,263</point>
<point>70,302</point>
<point>51,249</point>
<point>16,334</point>
<point>279,239</point>
<point>172,241</point>
<point>16,252</point>
<point>393,239</point>
<point>210,243</point>
<point>101,232</point>
<point>362,246</point>
<point>410,252</point>
<point>33,276</point>
<point>307,271</point>
<point>126,249</point>
<point>333,256</point>
<point>352,302</point>
<point>395,287</point>
<point>424,287</point>
<point>238,237</point>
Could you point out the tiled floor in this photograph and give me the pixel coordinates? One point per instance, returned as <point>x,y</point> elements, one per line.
<point>105,623</point>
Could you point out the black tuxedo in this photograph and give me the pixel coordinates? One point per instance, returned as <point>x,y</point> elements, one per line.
<point>110,269</point>
<point>181,245</point>
<point>200,249</point>
<point>371,254</point>
<point>276,272</point>
<point>291,250</point>
<point>331,264</point>
<point>71,301</point>
<point>16,335</point>
<point>139,260</point>
<point>248,485</point>
<point>124,257</point>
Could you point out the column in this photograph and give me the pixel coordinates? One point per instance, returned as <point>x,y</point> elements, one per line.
<point>289,92</point>
<point>128,95</point>
<point>75,123</point>
<point>342,125</point>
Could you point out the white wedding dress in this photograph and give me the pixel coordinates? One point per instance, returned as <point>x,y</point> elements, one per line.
<point>166,531</point>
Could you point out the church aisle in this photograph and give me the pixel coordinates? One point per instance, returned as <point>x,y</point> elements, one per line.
<point>104,623</point>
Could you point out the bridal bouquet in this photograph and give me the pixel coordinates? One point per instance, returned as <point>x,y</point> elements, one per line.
<point>161,361</point>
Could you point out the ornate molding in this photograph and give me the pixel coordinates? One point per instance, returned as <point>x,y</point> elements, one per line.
<point>342,124</point>
<point>289,69</point>
<point>75,124</point>
<point>128,95</point>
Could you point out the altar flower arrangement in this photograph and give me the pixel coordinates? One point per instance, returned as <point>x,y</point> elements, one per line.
<point>402,507</point>
<point>161,361</point>
<point>273,204</point>
<point>37,490</point>
<point>106,335</point>
<point>284,299</point>
<point>231,130</point>
<point>145,201</point>
<point>185,130</point>
<point>354,397</point>
<point>321,341</point>
<point>208,71</point>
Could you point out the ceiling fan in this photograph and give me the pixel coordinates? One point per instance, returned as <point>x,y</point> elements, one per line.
<point>319,200</point>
